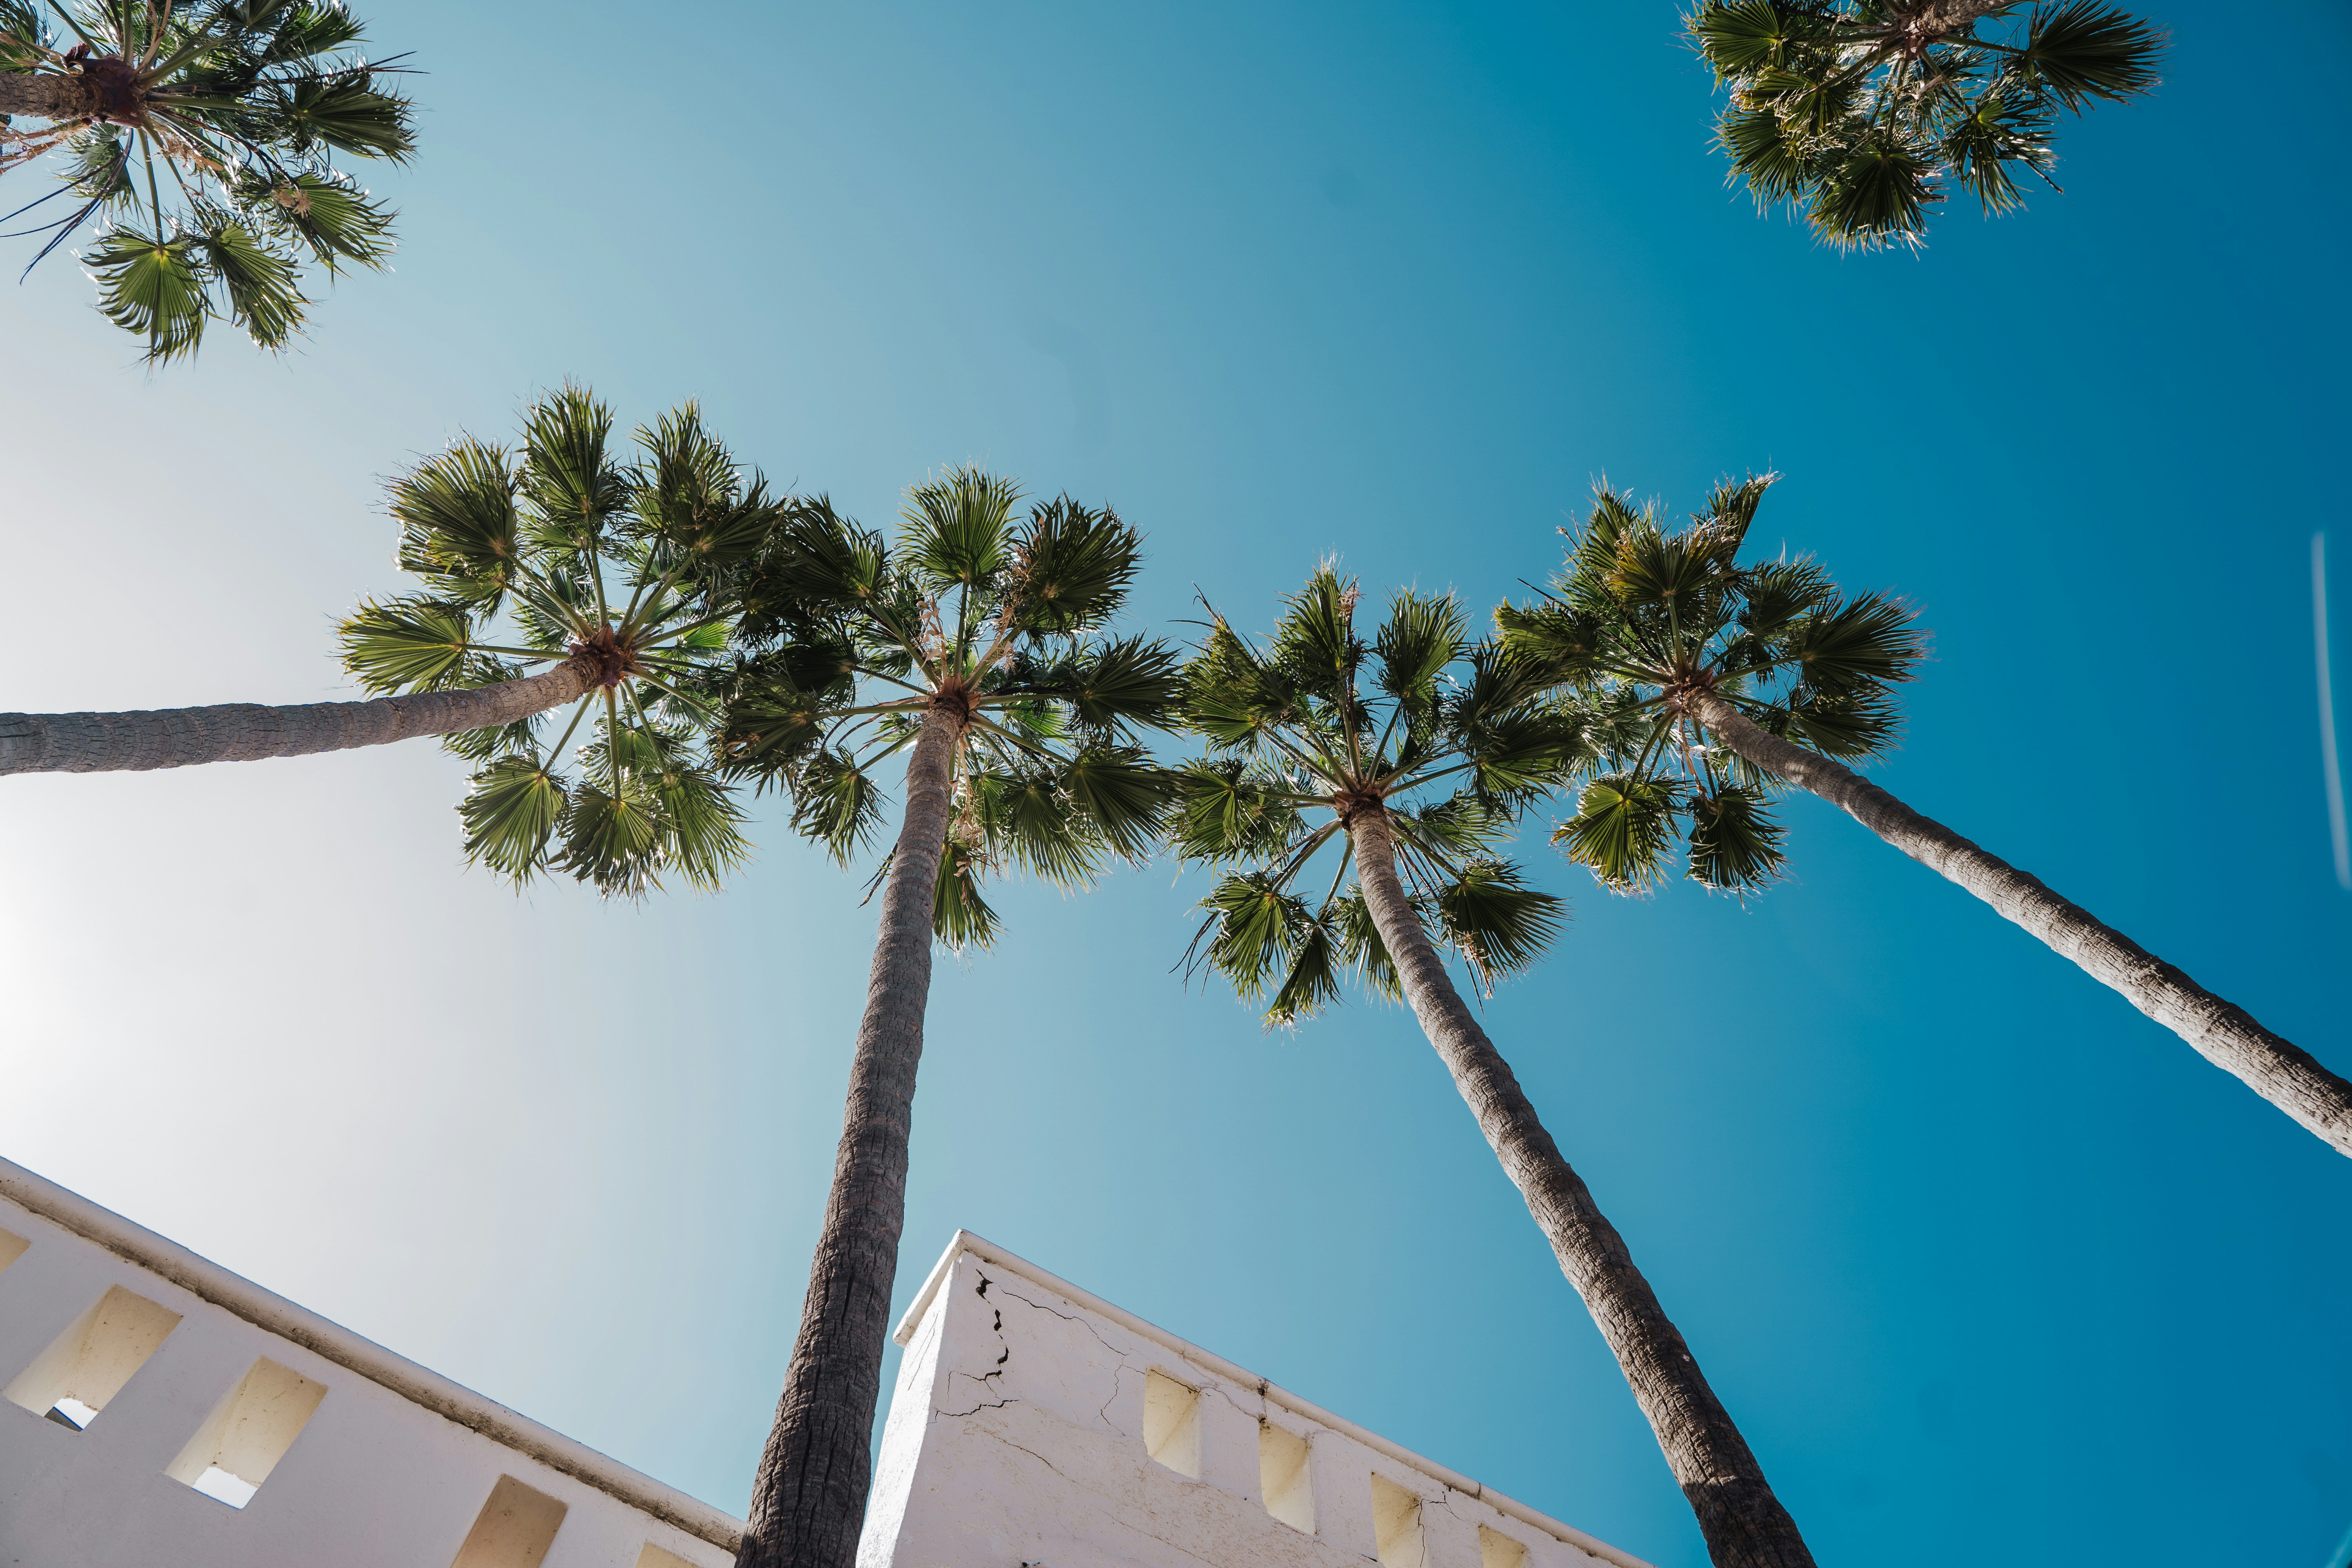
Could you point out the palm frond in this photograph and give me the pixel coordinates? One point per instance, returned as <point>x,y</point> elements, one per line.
<point>1621,829</point>
<point>956,529</point>
<point>510,813</point>
<point>414,643</point>
<point>1070,569</point>
<point>1498,923</point>
<point>1735,846</point>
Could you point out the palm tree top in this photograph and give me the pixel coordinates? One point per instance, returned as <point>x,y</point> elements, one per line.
<point>207,131</point>
<point>1448,738</point>
<point>1001,625</point>
<point>1859,112</point>
<point>563,549</point>
<point>1642,622</point>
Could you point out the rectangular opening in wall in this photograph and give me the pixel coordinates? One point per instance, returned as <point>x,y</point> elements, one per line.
<point>1172,1424</point>
<point>248,1433</point>
<point>654,1557</point>
<point>87,1364</point>
<point>514,1529</point>
<point>1496,1550</point>
<point>11,1247</point>
<point>1396,1525</point>
<point>1285,1477</point>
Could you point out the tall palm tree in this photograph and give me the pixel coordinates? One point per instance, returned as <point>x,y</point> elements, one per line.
<point>1861,113</point>
<point>208,130</point>
<point>551,576</point>
<point>979,649</point>
<point>1414,756</point>
<point>1712,679</point>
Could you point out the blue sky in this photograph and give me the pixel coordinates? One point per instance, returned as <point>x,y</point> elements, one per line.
<point>1974,1253</point>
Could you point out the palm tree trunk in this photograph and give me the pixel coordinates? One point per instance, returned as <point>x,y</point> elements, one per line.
<point>248,731</point>
<point>44,95</point>
<point>2225,1035</point>
<point>1744,1523</point>
<point>808,1499</point>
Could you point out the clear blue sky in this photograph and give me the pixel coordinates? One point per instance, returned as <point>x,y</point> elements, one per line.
<point>1981,1259</point>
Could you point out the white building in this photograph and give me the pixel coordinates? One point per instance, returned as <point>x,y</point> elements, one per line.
<point>159,1410</point>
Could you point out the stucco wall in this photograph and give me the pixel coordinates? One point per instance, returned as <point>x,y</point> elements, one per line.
<point>1021,1434</point>
<point>393,1466</point>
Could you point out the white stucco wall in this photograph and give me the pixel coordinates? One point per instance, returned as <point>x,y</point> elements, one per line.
<point>393,1467</point>
<point>1020,1431</point>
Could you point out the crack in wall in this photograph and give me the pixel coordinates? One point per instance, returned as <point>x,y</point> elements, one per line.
<point>1114,1508</point>
<point>1073,1318</point>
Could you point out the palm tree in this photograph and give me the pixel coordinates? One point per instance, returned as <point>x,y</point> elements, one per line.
<point>548,576</point>
<point>243,103</point>
<point>1711,680</point>
<point>1861,111</point>
<point>1423,777</point>
<point>978,647</point>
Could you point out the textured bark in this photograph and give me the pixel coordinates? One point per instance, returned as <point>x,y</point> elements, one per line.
<point>2225,1035</point>
<point>44,95</point>
<point>248,731</point>
<point>1744,1523</point>
<point>808,1499</point>
<point>1942,18</point>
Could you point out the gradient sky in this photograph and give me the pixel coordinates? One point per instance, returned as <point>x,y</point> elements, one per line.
<point>1981,1260</point>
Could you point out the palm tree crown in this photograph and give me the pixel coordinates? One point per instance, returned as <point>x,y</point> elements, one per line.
<point>1447,736</point>
<point>233,110</point>
<point>1858,111</point>
<point>855,644</point>
<point>562,551</point>
<point>1641,621</point>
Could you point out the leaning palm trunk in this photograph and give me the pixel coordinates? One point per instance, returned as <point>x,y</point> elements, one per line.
<point>45,96</point>
<point>2223,1033</point>
<point>1744,1523</point>
<point>808,1499</point>
<point>248,731</point>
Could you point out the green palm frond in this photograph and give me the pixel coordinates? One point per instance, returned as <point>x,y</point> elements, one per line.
<point>568,475</point>
<point>960,917</point>
<point>415,643</point>
<point>1423,634</point>
<point>956,529</point>
<point>1868,641</point>
<point>2084,49</point>
<point>1310,982</point>
<point>154,288</point>
<point>837,803</point>
<point>1315,642</point>
<point>457,516</point>
<point>1027,819</point>
<point>1121,796</point>
<point>1853,728</point>
<point>612,836</point>
<point>1735,846</point>
<point>1252,931</point>
<point>1226,809</point>
<point>262,286</point>
<point>510,813</point>
<point>1070,567</point>
<point>1622,828</point>
<point>1361,951</point>
<point>1498,923</point>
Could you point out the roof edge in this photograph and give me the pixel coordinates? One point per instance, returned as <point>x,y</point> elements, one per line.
<point>979,1247</point>
<point>274,1314</point>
